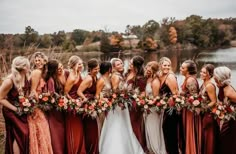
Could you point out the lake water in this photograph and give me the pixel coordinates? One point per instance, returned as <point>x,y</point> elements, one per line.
<point>219,57</point>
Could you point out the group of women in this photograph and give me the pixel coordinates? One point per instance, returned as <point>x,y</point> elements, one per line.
<point>120,131</point>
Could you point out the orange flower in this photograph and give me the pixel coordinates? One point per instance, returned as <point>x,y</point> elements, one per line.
<point>45,98</point>
<point>22,99</point>
<point>214,110</point>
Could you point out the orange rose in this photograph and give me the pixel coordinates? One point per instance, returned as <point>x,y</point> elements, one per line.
<point>45,98</point>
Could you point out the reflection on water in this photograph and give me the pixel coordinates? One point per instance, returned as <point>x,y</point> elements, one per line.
<point>220,57</point>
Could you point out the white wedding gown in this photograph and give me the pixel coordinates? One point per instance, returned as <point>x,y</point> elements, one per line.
<point>117,135</point>
<point>153,129</point>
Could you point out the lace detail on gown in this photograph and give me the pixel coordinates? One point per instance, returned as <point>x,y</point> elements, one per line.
<point>153,128</point>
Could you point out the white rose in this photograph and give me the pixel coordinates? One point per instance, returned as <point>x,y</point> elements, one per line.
<point>146,106</point>
<point>196,102</point>
<point>217,112</point>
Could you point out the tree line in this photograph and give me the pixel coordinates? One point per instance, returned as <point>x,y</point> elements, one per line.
<point>194,30</point>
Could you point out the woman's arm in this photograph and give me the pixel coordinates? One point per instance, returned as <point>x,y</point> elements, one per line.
<point>35,79</point>
<point>86,83</point>
<point>211,91</point>
<point>155,87</point>
<point>99,86</point>
<point>68,85</point>
<point>171,82</point>
<point>115,82</point>
<point>4,90</point>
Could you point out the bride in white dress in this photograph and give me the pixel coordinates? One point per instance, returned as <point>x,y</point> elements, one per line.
<point>153,120</point>
<point>117,135</point>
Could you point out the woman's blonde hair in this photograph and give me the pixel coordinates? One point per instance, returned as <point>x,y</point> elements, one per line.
<point>154,66</point>
<point>223,75</point>
<point>73,61</point>
<point>19,64</point>
<point>38,54</point>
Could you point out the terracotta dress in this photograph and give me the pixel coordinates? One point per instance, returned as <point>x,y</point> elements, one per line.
<point>56,121</point>
<point>136,115</point>
<point>191,125</point>
<point>74,127</point>
<point>90,125</point>
<point>170,124</point>
<point>210,129</point>
<point>40,138</point>
<point>227,139</point>
<point>16,126</point>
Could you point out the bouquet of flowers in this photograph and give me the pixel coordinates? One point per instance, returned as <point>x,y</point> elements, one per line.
<point>62,103</point>
<point>196,103</point>
<point>176,102</point>
<point>120,99</point>
<point>46,101</point>
<point>90,108</point>
<point>224,112</point>
<point>147,104</point>
<point>103,105</point>
<point>25,105</point>
<point>161,103</point>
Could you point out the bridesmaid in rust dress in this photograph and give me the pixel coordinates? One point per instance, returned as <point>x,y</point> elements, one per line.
<point>227,95</point>
<point>135,80</point>
<point>168,87</point>
<point>17,130</point>
<point>74,126</point>
<point>209,125</point>
<point>191,122</point>
<point>56,118</point>
<point>86,91</point>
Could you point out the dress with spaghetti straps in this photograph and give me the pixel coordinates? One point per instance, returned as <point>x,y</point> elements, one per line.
<point>40,138</point>
<point>136,115</point>
<point>90,124</point>
<point>16,126</point>
<point>210,129</point>
<point>227,139</point>
<point>170,123</point>
<point>192,127</point>
<point>75,139</point>
<point>56,121</point>
<point>153,128</point>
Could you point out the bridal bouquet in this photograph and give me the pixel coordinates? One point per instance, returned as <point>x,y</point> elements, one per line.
<point>176,102</point>
<point>103,105</point>
<point>25,105</point>
<point>46,101</point>
<point>196,103</point>
<point>224,112</point>
<point>121,99</point>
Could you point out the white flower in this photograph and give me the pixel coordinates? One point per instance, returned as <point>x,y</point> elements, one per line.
<point>40,96</point>
<point>25,104</point>
<point>146,106</point>
<point>94,114</point>
<point>105,105</point>
<point>52,100</point>
<point>99,111</point>
<point>162,102</point>
<point>135,96</point>
<point>178,100</point>
<point>65,107</point>
<point>103,108</point>
<point>196,102</point>
<point>26,109</point>
<point>232,107</point>
<point>217,112</point>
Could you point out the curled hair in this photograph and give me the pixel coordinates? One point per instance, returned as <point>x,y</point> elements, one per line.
<point>19,64</point>
<point>105,67</point>
<point>223,75</point>
<point>73,61</point>
<point>40,55</point>
<point>114,60</point>
<point>92,63</point>
<point>191,67</point>
<point>210,69</point>
<point>138,62</point>
<point>154,66</point>
<point>164,59</point>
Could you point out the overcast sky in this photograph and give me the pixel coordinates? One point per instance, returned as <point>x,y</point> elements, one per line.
<point>48,16</point>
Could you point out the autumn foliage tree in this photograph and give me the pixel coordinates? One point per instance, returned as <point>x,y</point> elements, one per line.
<point>172,35</point>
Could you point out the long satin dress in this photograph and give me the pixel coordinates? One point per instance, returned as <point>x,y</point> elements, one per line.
<point>153,128</point>
<point>170,124</point>
<point>56,121</point>
<point>227,139</point>
<point>74,127</point>
<point>40,138</point>
<point>90,124</point>
<point>192,125</point>
<point>136,115</point>
<point>117,136</point>
<point>210,129</point>
<point>16,126</point>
